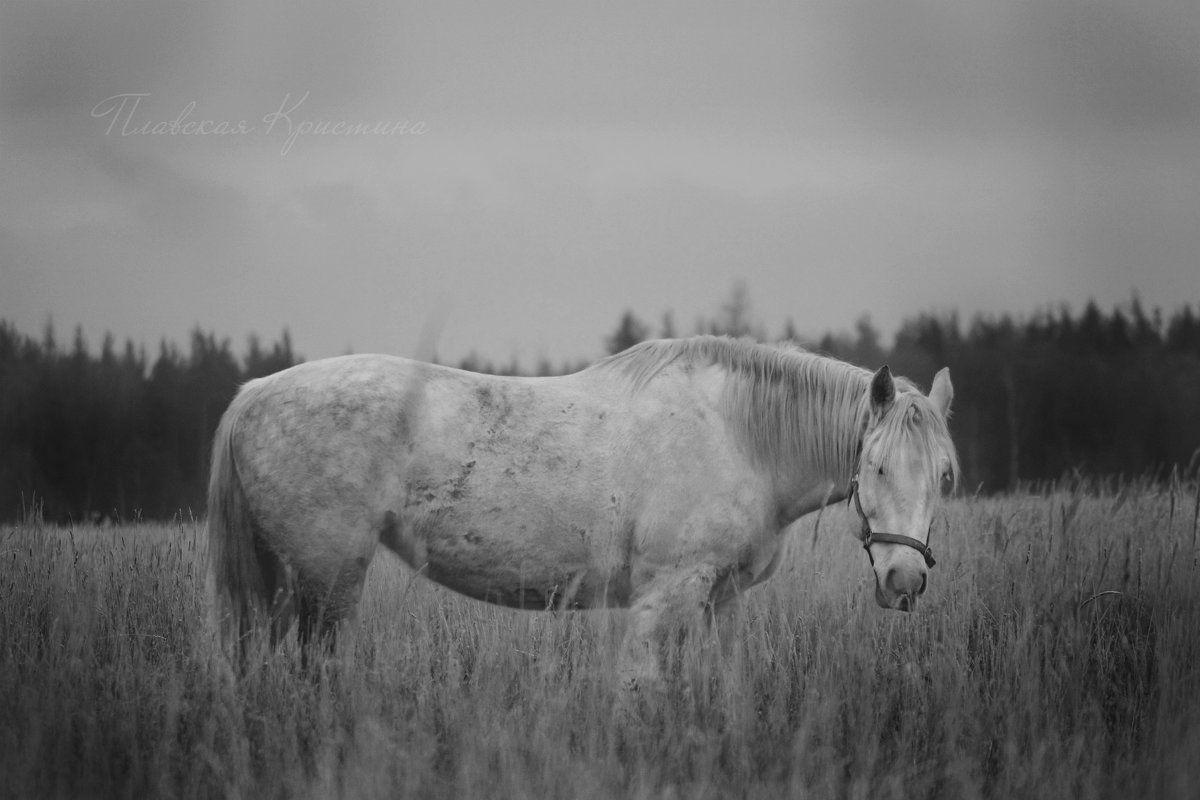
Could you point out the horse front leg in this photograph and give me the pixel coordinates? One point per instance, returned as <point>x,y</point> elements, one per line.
<point>665,609</point>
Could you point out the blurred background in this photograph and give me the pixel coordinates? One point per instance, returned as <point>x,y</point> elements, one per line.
<point>193,194</point>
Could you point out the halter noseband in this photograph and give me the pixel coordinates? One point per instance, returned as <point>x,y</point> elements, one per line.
<point>869,536</point>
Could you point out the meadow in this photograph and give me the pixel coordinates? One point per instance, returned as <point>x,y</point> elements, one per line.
<point>1056,654</point>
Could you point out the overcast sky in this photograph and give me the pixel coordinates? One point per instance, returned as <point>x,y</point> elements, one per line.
<point>527,171</point>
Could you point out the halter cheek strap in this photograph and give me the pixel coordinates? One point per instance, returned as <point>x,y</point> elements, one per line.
<point>869,537</point>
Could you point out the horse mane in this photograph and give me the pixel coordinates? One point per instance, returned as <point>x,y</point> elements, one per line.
<point>793,408</point>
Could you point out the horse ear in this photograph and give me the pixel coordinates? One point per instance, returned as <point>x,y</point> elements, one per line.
<point>883,389</point>
<point>942,392</point>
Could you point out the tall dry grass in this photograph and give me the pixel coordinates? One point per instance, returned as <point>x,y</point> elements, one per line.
<point>1057,654</point>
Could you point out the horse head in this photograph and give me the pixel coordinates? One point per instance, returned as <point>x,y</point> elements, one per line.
<point>906,458</point>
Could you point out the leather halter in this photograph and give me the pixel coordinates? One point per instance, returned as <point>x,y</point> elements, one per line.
<point>869,537</point>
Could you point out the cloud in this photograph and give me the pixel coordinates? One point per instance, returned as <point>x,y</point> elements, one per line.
<point>61,54</point>
<point>580,158</point>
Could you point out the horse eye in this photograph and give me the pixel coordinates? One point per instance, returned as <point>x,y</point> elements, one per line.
<point>881,470</point>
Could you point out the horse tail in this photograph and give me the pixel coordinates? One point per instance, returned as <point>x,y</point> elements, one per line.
<point>241,579</point>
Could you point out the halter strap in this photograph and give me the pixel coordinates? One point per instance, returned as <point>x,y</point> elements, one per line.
<point>869,537</point>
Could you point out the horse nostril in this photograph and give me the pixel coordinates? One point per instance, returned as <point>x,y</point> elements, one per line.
<point>904,587</point>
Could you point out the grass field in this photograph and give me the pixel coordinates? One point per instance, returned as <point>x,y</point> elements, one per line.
<point>1057,654</point>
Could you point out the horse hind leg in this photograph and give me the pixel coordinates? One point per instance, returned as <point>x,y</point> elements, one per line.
<point>328,609</point>
<point>266,618</point>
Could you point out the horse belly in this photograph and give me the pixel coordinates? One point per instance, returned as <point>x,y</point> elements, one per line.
<point>524,555</point>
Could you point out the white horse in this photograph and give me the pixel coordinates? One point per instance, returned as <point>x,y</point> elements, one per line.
<point>660,479</point>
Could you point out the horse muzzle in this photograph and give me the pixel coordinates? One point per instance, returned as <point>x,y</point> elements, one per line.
<point>900,587</point>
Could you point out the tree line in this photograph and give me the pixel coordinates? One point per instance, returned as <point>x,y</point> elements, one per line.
<point>117,436</point>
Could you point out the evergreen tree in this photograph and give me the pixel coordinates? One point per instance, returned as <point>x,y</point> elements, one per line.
<point>629,332</point>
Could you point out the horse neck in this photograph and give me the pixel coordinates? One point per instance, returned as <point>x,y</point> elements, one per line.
<point>803,486</point>
<point>809,439</point>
